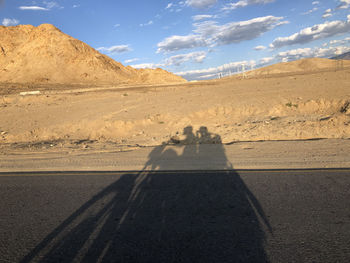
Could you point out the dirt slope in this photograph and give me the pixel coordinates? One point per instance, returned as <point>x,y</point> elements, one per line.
<point>299,66</point>
<point>44,54</point>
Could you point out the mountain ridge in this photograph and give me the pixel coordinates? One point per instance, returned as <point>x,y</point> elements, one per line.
<point>297,66</point>
<point>345,56</point>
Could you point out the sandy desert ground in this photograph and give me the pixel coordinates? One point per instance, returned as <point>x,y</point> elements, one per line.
<point>84,102</point>
<point>285,106</point>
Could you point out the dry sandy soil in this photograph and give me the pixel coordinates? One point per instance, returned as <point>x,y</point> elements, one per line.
<point>284,106</point>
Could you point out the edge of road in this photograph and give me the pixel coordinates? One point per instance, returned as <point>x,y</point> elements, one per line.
<point>86,173</point>
<point>265,155</point>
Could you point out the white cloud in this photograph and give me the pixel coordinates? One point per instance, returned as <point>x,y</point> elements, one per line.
<point>49,5</point>
<point>310,11</point>
<point>344,4</point>
<point>341,50</point>
<point>315,32</point>
<point>315,2</point>
<point>76,6</point>
<point>266,60</point>
<point>115,49</point>
<point>175,7</point>
<point>116,25</point>
<point>335,42</point>
<point>244,3</point>
<point>169,5</point>
<point>147,65</point>
<point>35,8</point>
<point>10,22</point>
<point>236,32</point>
<point>326,15</point>
<point>131,60</point>
<point>175,43</point>
<point>200,3</point>
<point>294,54</point>
<point>147,24</point>
<point>177,60</point>
<point>210,33</point>
<point>340,41</point>
<point>259,48</point>
<point>202,17</point>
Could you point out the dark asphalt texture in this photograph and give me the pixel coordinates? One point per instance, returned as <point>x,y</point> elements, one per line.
<point>236,216</point>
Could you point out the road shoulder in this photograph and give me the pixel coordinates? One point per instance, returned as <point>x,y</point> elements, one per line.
<point>309,154</point>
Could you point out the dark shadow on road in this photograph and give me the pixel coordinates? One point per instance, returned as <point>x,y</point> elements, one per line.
<point>155,216</point>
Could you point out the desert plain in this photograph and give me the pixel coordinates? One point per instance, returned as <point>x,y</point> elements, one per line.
<point>95,104</point>
<point>312,104</point>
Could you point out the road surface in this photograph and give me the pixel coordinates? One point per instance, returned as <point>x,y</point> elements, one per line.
<point>216,216</point>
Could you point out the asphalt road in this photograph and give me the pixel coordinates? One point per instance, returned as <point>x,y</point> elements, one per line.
<point>238,216</point>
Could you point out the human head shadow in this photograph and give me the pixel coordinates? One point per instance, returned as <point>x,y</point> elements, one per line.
<point>164,216</point>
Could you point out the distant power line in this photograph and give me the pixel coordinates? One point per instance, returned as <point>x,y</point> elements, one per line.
<point>339,64</point>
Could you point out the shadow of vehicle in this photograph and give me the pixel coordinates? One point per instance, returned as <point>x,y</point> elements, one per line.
<point>165,216</point>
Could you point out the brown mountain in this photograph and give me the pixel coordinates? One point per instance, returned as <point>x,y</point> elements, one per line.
<point>44,54</point>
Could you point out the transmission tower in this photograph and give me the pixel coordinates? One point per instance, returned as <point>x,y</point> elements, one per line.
<point>244,75</point>
<point>339,64</point>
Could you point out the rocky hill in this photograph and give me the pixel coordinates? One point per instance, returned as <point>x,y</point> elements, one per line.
<point>44,54</point>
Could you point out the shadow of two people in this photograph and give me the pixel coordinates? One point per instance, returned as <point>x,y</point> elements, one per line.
<point>159,216</point>
<point>194,152</point>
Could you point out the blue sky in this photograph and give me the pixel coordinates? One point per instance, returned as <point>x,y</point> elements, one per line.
<point>197,39</point>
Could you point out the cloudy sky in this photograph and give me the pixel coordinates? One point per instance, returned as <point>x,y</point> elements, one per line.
<point>197,39</point>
